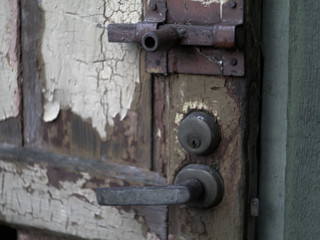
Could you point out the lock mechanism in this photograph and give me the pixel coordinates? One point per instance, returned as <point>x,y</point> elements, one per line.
<point>178,39</point>
<point>199,133</point>
<point>196,185</point>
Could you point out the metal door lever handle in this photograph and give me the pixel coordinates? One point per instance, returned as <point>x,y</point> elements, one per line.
<point>195,185</point>
<point>162,195</point>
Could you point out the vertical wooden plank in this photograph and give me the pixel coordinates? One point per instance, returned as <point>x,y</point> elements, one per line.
<point>223,98</point>
<point>254,69</point>
<point>32,100</point>
<point>160,124</point>
<point>235,104</point>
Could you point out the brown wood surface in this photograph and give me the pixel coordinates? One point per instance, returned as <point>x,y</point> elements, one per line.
<point>10,131</point>
<point>235,103</point>
<point>223,98</point>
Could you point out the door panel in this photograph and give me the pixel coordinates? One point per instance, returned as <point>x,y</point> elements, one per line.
<point>91,117</point>
<point>56,193</point>
<point>222,98</point>
<point>66,56</point>
<point>93,99</point>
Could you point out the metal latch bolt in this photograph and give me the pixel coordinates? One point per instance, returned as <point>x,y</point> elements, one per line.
<point>192,46</point>
<point>153,37</point>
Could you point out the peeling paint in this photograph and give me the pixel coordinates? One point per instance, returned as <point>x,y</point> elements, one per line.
<point>9,59</point>
<point>208,2</point>
<point>27,198</point>
<point>80,69</point>
<point>187,106</point>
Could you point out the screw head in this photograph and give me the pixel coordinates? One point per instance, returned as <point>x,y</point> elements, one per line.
<point>233,62</point>
<point>232,4</point>
<point>182,31</point>
<point>153,7</point>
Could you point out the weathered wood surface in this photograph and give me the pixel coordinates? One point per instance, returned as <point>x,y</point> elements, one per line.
<point>87,97</point>
<point>160,124</point>
<point>56,193</point>
<point>38,235</point>
<point>81,97</point>
<point>235,103</point>
<point>10,127</point>
<point>222,98</point>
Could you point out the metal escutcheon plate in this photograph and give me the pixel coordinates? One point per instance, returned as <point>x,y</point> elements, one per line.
<point>211,181</point>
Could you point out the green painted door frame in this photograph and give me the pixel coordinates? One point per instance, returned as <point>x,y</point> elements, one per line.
<point>290,121</point>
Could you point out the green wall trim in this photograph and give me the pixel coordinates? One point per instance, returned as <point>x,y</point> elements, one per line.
<point>275,50</point>
<point>302,200</point>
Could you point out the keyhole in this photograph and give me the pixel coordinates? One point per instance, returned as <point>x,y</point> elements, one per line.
<point>194,142</point>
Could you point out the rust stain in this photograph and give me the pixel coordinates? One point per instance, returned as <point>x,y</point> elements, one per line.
<point>70,134</point>
<point>57,175</point>
<point>94,182</point>
<point>124,136</point>
<point>160,125</point>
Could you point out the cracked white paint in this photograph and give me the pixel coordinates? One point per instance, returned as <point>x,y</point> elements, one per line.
<point>81,70</point>
<point>27,198</point>
<point>9,60</point>
<point>208,2</point>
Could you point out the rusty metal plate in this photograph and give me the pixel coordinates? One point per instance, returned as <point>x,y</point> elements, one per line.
<point>156,62</point>
<point>206,61</point>
<point>193,12</point>
<point>232,11</point>
<point>209,61</point>
<point>156,11</point>
<point>188,36</point>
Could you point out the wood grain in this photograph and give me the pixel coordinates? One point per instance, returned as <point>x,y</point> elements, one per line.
<point>55,193</point>
<point>222,98</point>
<point>129,140</point>
<point>128,145</point>
<point>235,103</point>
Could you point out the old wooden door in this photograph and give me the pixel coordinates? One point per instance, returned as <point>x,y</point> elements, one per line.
<point>78,113</point>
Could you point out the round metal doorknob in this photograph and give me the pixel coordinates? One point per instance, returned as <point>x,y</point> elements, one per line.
<point>211,181</point>
<point>196,185</point>
<point>199,133</point>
